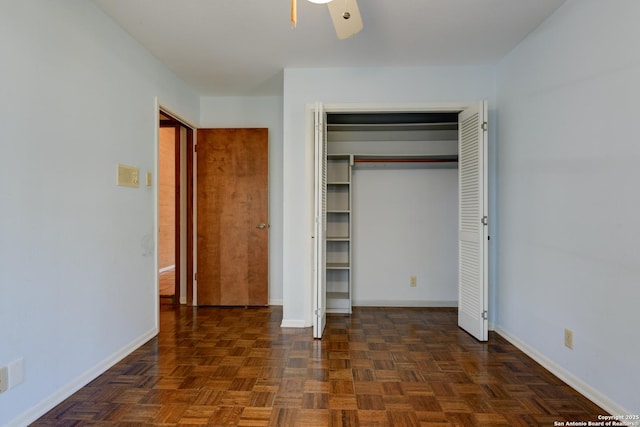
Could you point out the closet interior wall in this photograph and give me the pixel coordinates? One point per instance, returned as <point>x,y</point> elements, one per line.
<point>393,201</point>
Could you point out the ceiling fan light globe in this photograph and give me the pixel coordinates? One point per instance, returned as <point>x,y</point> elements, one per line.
<point>320,1</point>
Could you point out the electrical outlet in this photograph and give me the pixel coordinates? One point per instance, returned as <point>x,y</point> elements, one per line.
<point>4,379</point>
<point>568,338</point>
<point>413,281</point>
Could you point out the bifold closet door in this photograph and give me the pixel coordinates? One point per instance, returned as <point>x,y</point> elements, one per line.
<point>320,232</point>
<point>473,233</point>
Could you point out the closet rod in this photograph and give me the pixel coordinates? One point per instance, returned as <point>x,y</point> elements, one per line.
<point>403,160</point>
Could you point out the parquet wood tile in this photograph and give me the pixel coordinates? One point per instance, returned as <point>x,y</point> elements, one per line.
<point>377,367</point>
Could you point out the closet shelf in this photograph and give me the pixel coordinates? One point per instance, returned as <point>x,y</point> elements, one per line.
<point>380,161</point>
<point>337,295</point>
<point>337,261</point>
<point>405,159</point>
<point>361,127</point>
<point>337,266</point>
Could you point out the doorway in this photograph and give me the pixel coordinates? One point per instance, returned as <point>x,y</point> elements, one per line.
<point>175,211</point>
<point>168,214</point>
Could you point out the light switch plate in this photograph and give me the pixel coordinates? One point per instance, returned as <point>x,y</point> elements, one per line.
<point>128,176</point>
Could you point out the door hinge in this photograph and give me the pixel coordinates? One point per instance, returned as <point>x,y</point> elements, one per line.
<point>195,276</point>
<point>483,126</point>
<point>484,220</point>
<point>195,148</point>
<point>485,315</point>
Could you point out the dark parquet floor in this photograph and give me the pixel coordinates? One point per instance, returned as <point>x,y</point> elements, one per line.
<point>377,367</point>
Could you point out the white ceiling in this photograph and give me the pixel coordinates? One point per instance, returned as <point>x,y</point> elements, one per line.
<point>240,47</point>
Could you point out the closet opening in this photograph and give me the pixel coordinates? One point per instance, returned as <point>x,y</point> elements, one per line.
<point>403,197</point>
<point>399,209</point>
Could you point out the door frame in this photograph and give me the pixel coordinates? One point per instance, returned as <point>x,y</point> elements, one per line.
<point>442,107</point>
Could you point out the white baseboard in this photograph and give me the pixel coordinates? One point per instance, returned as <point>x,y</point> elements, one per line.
<point>50,402</point>
<point>275,302</point>
<point>167,268</point>
<point>403,303</point>
<point>583,388</point>
<point>293,324</point>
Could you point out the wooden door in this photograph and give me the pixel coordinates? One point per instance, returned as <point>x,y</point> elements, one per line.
<point>232,217</point>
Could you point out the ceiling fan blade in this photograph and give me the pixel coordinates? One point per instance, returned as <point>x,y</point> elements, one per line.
<point>346,18</point>
<point>294,13</point>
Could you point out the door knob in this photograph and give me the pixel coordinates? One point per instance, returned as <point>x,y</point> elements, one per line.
<point>261,226</point>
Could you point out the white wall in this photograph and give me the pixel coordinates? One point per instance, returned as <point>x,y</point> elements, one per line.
<point>77,272</point>
<point>568,197</point>
<point>405,223</point>
<point>261,112</point>
<point>347,85</point>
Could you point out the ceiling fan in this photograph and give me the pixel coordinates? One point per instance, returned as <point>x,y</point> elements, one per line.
<point>345,15</point>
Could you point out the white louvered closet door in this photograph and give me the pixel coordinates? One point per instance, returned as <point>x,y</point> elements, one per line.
<point>319,282</point>
<point>473,233</point>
